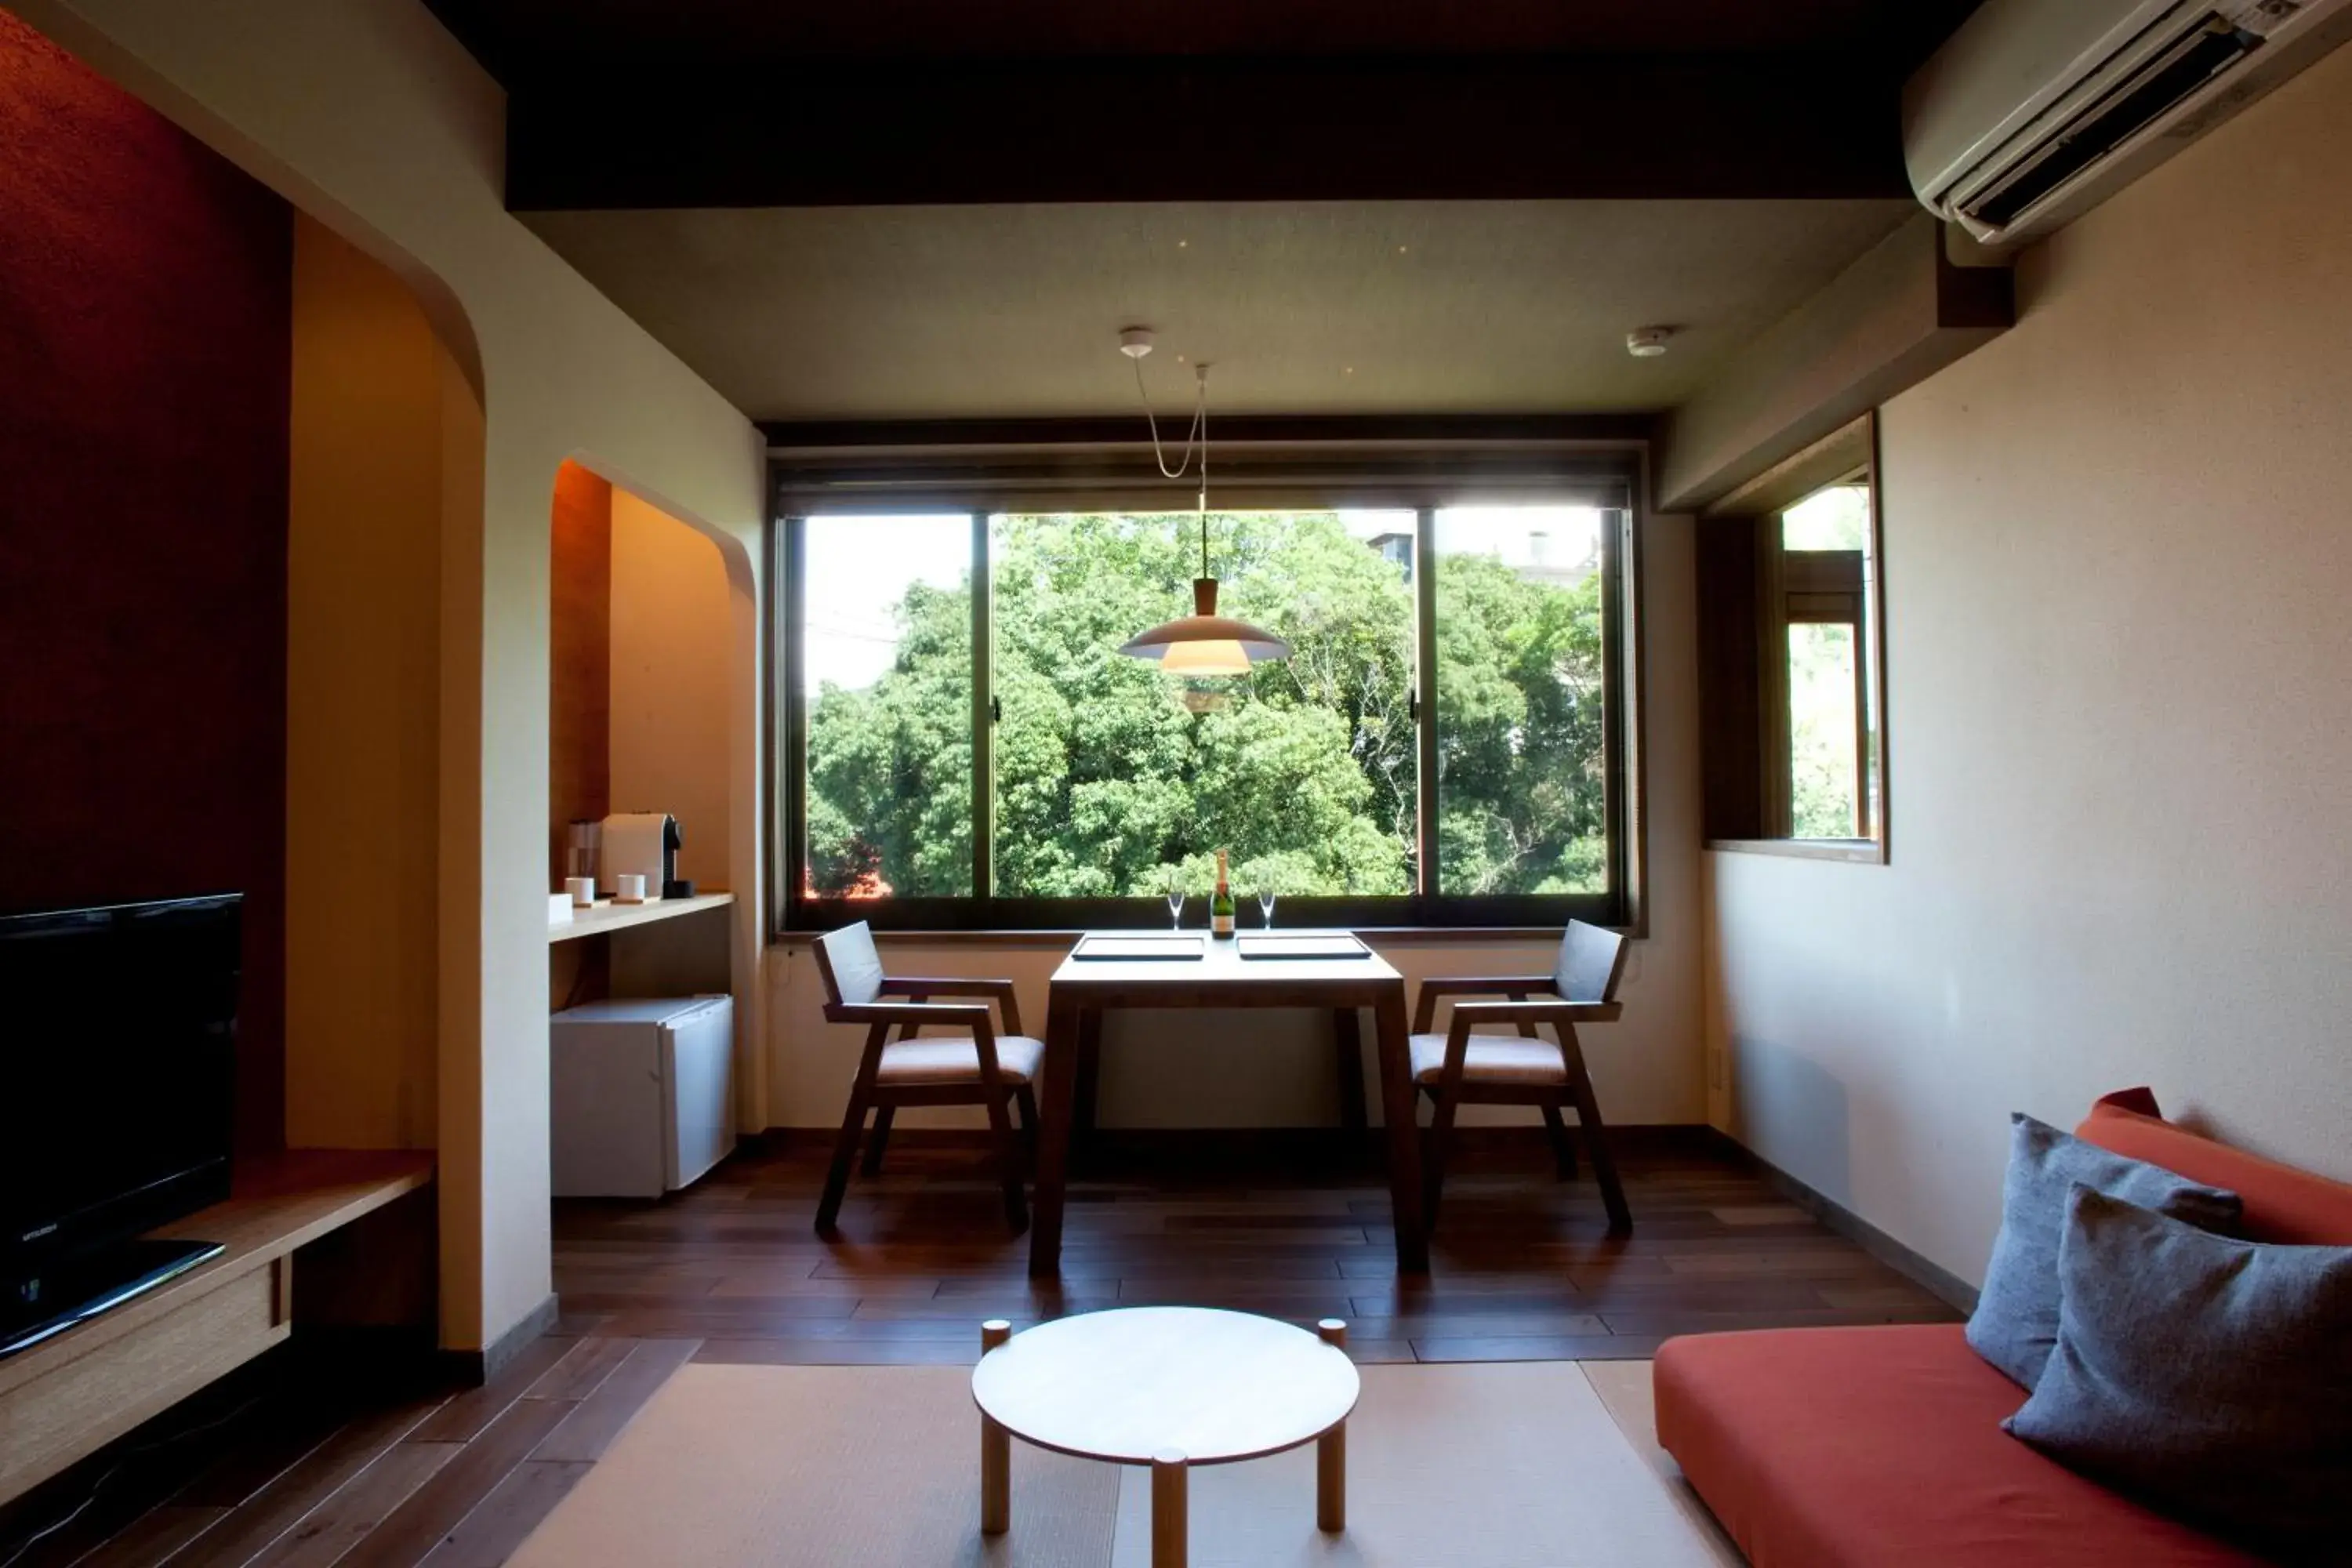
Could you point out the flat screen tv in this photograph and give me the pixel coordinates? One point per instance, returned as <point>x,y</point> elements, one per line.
<point>118,1062</point>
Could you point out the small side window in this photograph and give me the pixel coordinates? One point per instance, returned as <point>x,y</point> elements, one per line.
<point>1792,647</point>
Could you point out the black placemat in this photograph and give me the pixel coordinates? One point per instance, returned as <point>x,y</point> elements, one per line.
<point>1162,947</point>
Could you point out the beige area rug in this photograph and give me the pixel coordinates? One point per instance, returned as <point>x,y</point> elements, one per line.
<point>1517,1465</point>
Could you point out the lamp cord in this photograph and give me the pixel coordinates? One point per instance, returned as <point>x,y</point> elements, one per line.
<point>1200,417</point>
<point>1195,435</point>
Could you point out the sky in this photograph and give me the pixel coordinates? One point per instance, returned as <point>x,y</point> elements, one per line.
<point>857,569</point>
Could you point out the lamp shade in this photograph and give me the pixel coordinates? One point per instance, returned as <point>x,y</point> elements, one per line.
<point>1204,642</point>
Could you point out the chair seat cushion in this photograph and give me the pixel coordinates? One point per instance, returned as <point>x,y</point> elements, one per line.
<point>1862,1448</point>
<point>953,1059</point>
<point>1492,1058</point>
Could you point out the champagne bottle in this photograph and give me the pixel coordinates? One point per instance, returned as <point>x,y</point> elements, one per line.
<point>1221,902</point>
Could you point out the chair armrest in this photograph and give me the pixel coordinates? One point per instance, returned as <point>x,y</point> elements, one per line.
<point>919,988</point>
<point>920,1014</point>
<point>1483,984</point>
<point>1426,1008</point>
<point>1466,1014</point>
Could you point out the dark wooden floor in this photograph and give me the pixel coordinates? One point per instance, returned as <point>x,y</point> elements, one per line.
<point>290,1464</point>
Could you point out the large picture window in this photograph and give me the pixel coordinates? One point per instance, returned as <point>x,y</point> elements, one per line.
<point>965,747</point>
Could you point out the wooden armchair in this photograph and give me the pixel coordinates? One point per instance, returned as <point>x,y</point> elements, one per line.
<point>1459,1067</point>
<point>981,1067</point>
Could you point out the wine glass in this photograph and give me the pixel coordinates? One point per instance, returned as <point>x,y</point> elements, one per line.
<point>1175,908</point>
<point>1266,904</point>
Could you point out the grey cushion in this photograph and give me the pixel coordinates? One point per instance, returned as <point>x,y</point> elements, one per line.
<point>1491,1058</point>
<point>2208,1377</point>
<point>2016,1320</point>
<point>954,1059</point>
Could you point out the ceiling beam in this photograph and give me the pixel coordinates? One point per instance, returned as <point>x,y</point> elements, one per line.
<point>1231,430</point>
<point>1900,313</point>
<point>822,133</point>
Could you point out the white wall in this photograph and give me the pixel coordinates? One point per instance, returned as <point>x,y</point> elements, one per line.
<point>1274,1069</point>
<point>369,116</point>
<point>2118,564</point>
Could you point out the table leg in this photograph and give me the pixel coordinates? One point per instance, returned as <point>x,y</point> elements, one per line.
<point>1348,1045</point>
<point>1404,1145</point>
<point>1170,1510</point>
<point>1331,1450</point>
<point>1056,1095</point>
<point>1089,1092</point>
<point>995,1449</point>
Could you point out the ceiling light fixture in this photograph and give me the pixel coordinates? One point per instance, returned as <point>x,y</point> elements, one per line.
<point>1202,643</point>
<point>1647,342</point>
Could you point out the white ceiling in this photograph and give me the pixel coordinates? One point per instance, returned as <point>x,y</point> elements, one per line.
<point>1304,308</point>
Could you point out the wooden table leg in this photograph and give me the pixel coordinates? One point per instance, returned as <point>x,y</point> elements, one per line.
<point>995,1449</point>
<point>1348,1045</point>
<point>1170,1510</point>
<point>1089,1091</point>
<point>1331,1450</point>
<point>1056,1095</point>
<point>1405,1145</point>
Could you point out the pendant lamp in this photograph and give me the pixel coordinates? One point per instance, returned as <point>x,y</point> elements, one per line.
<point>1204,642</point>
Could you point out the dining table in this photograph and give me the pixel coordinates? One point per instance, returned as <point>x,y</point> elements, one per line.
<point>1331,971</point>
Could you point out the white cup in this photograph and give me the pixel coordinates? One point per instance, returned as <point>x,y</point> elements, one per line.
<point>582,890</point>
<point>629,888</point>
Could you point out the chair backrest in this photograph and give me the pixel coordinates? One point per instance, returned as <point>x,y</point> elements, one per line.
<point>1592,959</point>
<point>848,963</point>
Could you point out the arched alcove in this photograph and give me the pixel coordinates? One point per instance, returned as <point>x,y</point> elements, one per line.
<point>653,706</point>
<point>383,417</point>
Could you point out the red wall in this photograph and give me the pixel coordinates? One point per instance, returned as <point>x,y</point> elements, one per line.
<point>579,706</point>
<point>144,363</point>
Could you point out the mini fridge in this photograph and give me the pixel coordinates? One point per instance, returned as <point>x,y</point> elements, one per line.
<point>642,1101</point>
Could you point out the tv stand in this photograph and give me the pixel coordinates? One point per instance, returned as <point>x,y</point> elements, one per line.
<point>36,1309</point>
<point>86,1384</point>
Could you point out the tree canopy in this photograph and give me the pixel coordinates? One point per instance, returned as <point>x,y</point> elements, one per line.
<point>1110,784</point>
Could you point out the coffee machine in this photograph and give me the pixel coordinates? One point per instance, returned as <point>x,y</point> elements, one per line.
<point>645,844</point>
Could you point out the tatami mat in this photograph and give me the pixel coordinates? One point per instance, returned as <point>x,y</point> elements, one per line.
<point>1481,1465</point>
<point>818,1466</point>
<point>1473,1466</point>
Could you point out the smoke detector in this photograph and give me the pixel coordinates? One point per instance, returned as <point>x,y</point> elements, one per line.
<point>1647,342</point>
<point>1135,341</point>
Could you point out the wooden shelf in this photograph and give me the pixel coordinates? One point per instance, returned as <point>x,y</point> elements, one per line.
<point>68,1395</point>
<point>606,915</point>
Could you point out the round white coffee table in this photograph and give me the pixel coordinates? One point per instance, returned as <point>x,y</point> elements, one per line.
<point>1170,1387</point>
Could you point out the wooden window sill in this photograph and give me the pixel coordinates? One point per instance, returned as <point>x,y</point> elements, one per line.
<point>1855,851</point>
<point>1393,936</point>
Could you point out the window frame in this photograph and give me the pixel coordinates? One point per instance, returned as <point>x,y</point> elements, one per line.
<point>1761,752</point>
<point>796,916</point>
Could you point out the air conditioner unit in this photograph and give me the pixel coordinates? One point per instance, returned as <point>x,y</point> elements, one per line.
<point>2037,110</point>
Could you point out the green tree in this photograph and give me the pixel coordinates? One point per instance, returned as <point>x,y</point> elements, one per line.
<point>1821,715</point>
<point>1108,782</point>
<point>890,766</point>
<point>1520,689</point>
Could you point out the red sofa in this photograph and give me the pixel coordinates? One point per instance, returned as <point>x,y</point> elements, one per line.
<point>1868,1446</point>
